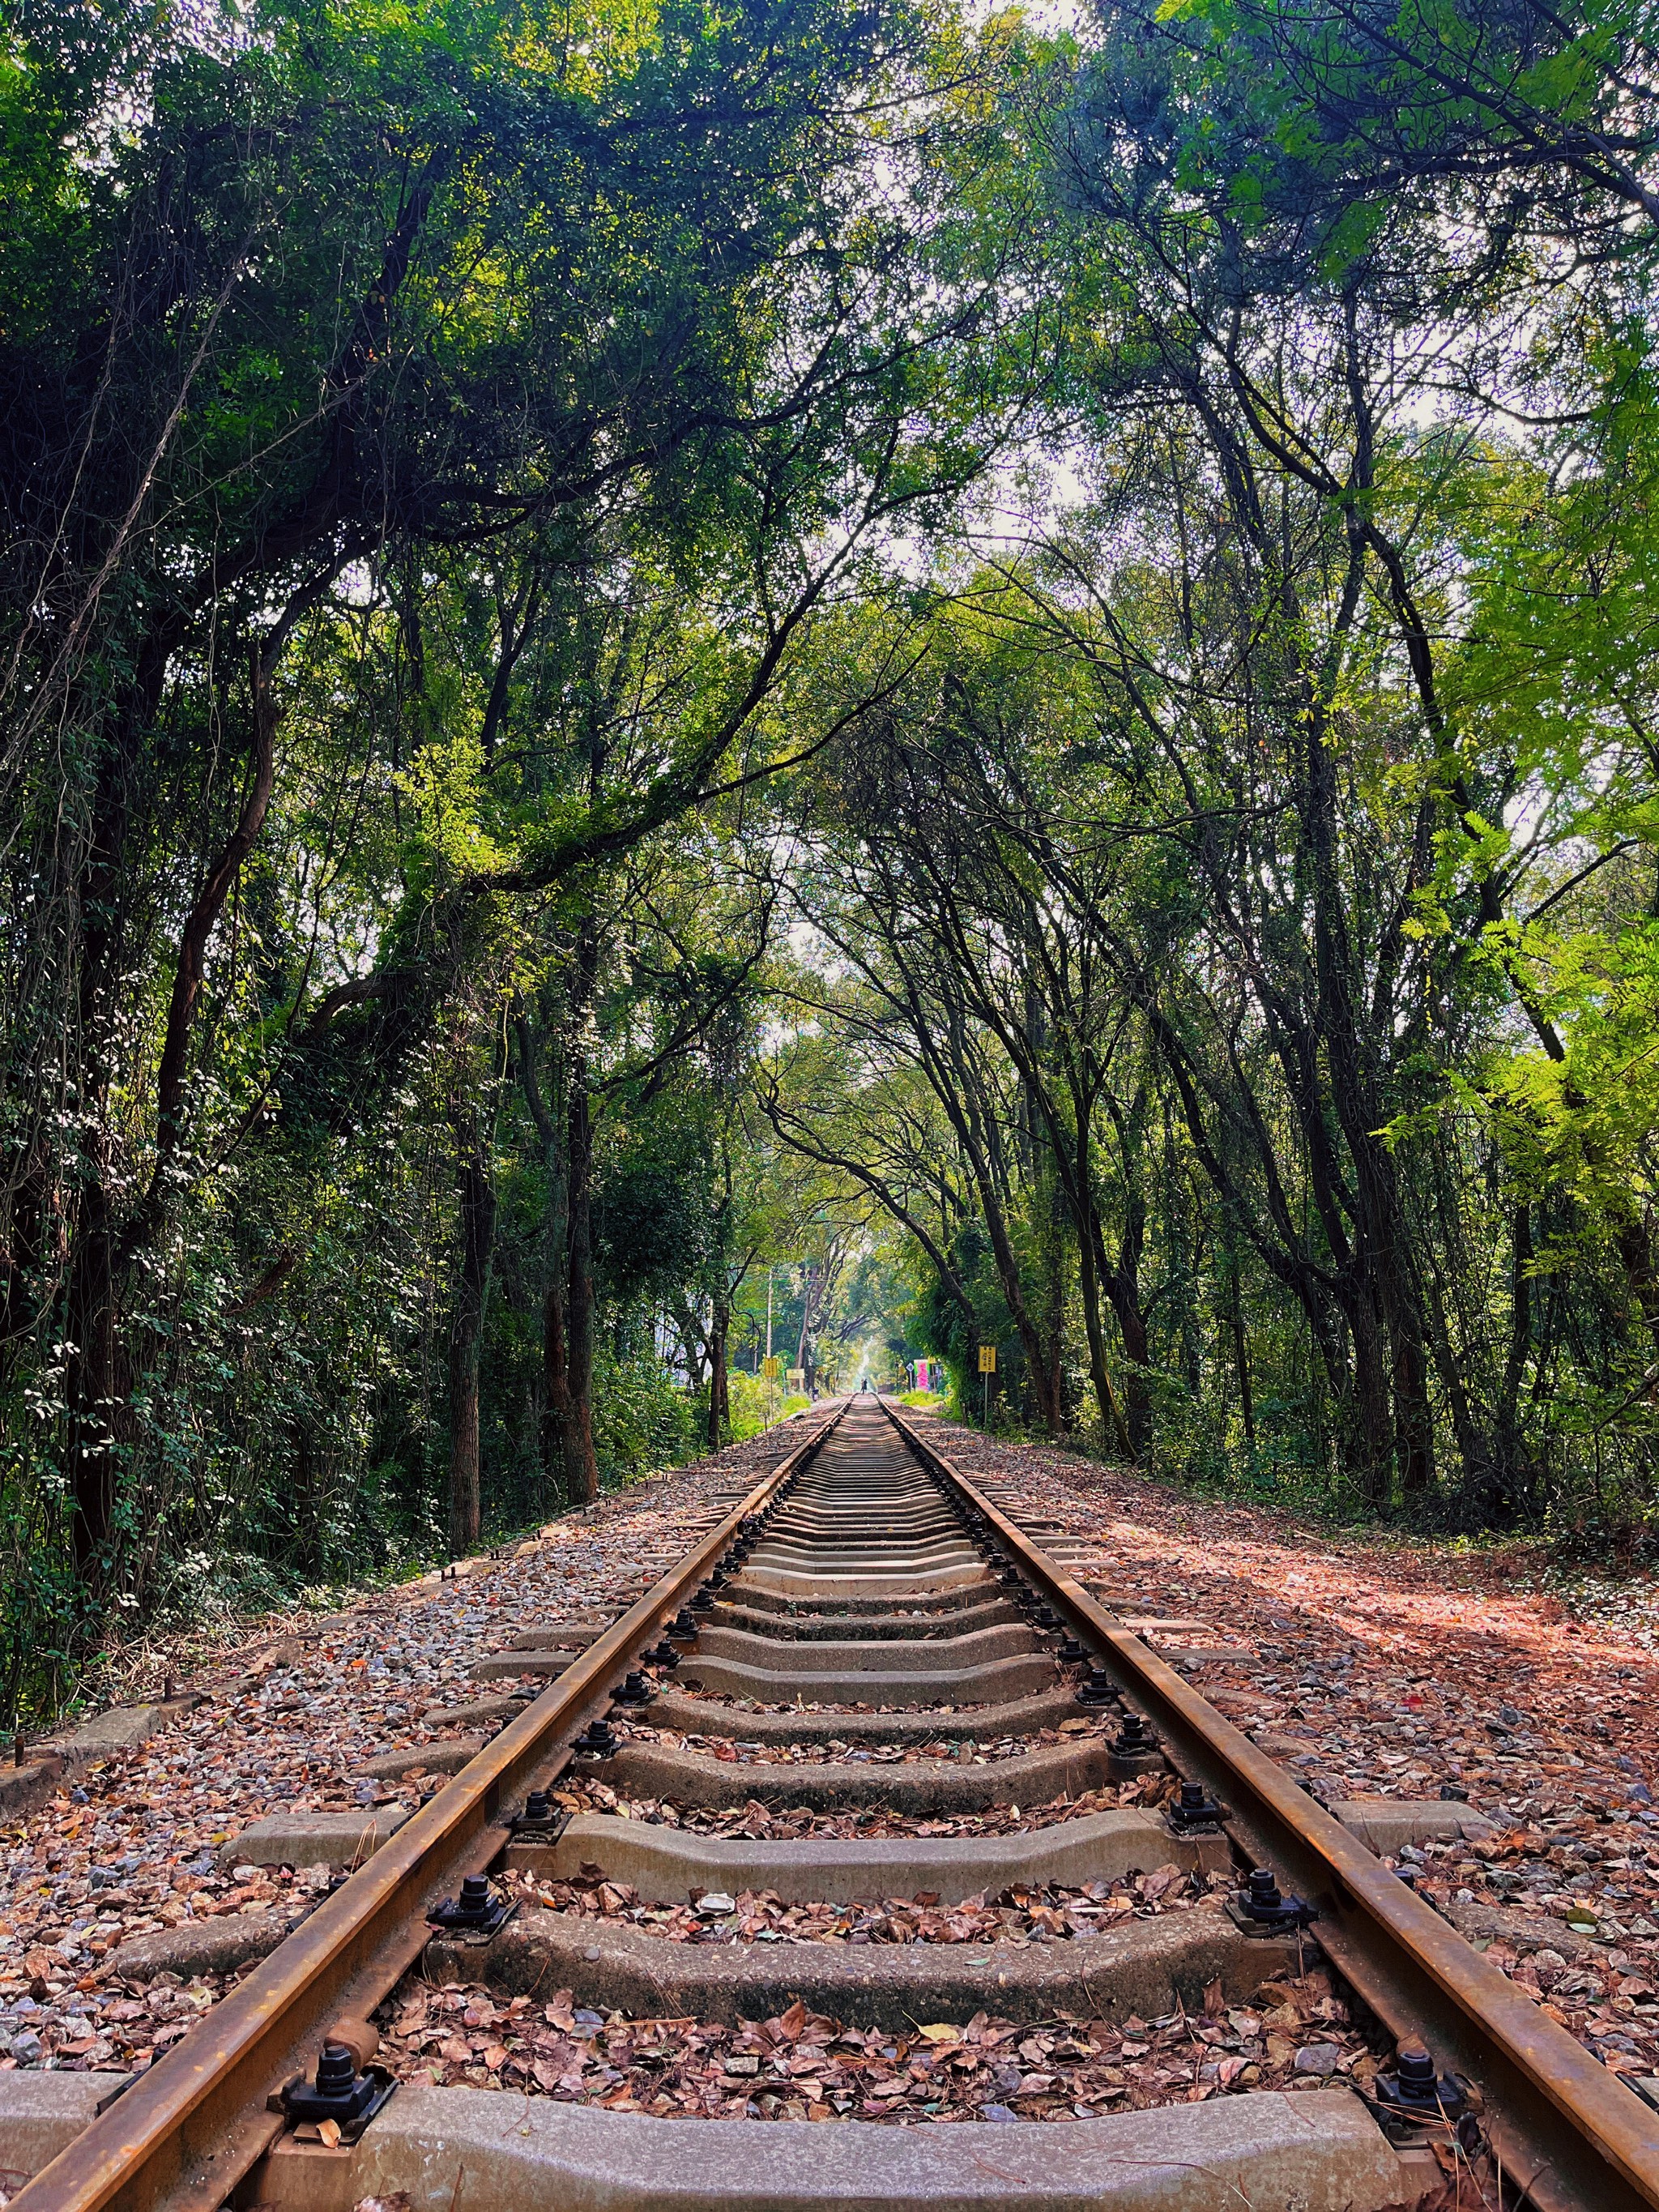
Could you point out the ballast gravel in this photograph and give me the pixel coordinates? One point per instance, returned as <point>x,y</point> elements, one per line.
<point>1385,1667</point>
<point>145,1840</point>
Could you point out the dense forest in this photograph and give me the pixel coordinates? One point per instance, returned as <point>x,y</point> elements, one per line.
<point>914,676</point>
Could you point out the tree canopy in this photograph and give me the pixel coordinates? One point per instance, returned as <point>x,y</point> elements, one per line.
<point>955,680</point>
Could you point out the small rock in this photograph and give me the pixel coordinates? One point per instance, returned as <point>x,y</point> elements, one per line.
<point>1317,2058</point>
<point>28,2048</point>
<point>996,2112</point>
<point>714,1903</point>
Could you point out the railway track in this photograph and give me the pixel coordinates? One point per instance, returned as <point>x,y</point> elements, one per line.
<point>758,1850</point>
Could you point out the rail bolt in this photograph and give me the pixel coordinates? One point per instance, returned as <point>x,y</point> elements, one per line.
<point>340,2093</point>
<point>1416,2090</point>
<point>704,1601</point>
<point>635,1691</point>
<point>1071,1653</point>
<point>596,1741</point>
<point>1135,1750</point>
<point>1260,1903</point>
<point>477,1910</point>
<point>663,1655</point>
<point>683,1628</point>
<point>1096,1689</point>
<point>1192,1809</point>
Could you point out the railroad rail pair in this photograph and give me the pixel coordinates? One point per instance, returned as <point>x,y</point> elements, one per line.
<point>186,2134</point>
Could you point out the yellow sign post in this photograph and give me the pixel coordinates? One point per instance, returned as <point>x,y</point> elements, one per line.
<point>987,1368</point>
<point>771,1367</point>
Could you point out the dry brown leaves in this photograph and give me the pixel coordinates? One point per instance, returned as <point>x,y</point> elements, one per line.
<point>803,2066</point>
<point>954,1748</point>
<point>779,1824</point>
<point>139,1842</point>
<point>1018,1915</point>
<point>1391,1669</point>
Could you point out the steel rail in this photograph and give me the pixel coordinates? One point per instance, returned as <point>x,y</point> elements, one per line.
<point>192,2127</point>
<point>1570,2136</point>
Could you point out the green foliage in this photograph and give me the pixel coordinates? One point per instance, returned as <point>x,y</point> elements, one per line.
<point>642,1423</point>
<point>543,838</point>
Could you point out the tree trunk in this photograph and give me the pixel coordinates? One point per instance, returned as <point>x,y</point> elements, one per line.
<point>1125,1294</point>
<point>555,1373</point>
<point>1112,1423</point>
<point>1241,1351</point>
<point>555,1367</point>
<point>1121,1284</point>
<point>719,1403</point>
<point>307,1515</point>
<point>582,1470</point>
<point>1371,1417</point>
<point>94,1392</point>
<point>477,1228</point>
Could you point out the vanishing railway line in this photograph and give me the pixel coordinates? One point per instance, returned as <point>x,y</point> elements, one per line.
<point>862,1602</point>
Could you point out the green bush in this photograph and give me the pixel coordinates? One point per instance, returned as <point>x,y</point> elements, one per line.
<point>643,1420</point>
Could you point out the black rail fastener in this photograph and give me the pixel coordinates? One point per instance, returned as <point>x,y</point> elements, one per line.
<point>480,1909</point>
<point>703,1601</point>
<point>1134,1749</point>
<point>663,1654</point>
<point>1261,1909</point>
<point>1098,1688</point>
<point>340,2093</point>
<point>1416,2098</point>
<point>1071,1653</point>
<point>542,1821</point>
<point>596,1741</point>
<point>1192,1810</point>
<point>682,1629</point>
<point>635,1691</point>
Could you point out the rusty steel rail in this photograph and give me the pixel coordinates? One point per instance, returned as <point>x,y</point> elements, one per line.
<point>192,2127</point>
<point>1569,2136</point>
